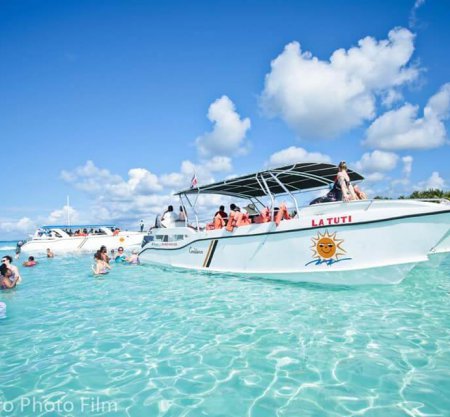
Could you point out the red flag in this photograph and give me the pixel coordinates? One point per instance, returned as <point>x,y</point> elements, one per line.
<point>194,181</point>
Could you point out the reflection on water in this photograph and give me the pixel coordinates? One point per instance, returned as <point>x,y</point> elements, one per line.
<point>156,341</point>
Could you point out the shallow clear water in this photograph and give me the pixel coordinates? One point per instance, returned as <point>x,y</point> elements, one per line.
<point>147,341</point>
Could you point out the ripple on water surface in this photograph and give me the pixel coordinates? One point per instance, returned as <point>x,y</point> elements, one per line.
<point>148,341</point>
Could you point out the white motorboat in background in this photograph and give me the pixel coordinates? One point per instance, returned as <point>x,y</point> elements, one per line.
<point>357,242</point>
<point>80,238</point>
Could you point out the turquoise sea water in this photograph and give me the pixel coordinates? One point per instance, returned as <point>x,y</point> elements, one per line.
<point>148,341</point>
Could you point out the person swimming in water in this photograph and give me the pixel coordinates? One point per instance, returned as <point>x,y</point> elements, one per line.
<point>7,260</point>
<point>101,267</point>
<point>120,255</point>
<point>6,282</point>
<point>30,262</point>
<point>134,258</point>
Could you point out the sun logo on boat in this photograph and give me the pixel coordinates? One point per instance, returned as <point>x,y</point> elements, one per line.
<point>327,246</point>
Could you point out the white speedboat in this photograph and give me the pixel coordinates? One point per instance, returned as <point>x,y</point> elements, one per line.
<point>439,253</point>
<point>357,242</point>
<point>80,238</point>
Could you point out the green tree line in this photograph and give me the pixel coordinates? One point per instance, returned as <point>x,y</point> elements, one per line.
<point>431,193</point>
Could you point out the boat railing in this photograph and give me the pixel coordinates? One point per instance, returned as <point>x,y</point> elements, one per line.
<point>441,200</point>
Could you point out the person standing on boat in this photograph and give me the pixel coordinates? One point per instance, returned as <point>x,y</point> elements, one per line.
<point>19,248</point>
<point>169,217</point>
<point>141,225</point>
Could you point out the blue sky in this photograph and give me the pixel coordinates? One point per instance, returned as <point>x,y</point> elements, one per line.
<point>116,103</point>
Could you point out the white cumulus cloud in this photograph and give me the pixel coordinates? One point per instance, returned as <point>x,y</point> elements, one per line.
<point>228,135</point>
<point>140,196</point>
<point>377,161</point>
<point>61,216</point>
<point>93,180</point>
<point>294,155</point>
<point>435,181</point>
<point>407,165</point>
<point>402,129</point>
<point>24,225</point>
<point>325,98</point>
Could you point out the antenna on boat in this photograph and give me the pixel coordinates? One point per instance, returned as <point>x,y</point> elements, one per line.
<point>68,211</point>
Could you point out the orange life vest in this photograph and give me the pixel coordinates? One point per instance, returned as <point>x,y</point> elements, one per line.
<point>219,222</point>
<point>231,221</point>
<point>242,219</point>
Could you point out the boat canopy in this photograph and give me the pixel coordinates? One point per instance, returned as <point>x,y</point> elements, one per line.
<point>282,180</point>
<point>76,226</point>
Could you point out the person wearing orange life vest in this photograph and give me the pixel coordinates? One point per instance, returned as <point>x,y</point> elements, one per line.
<point>242,219</point>
<point>282,214</point>
<point>231,224</point>
<point>220,218</point>
<point>264,216</point>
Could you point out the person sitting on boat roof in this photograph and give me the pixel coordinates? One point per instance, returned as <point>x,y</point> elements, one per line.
<point>342,188</point>
<point>168,218</point>
<point>359,193</point>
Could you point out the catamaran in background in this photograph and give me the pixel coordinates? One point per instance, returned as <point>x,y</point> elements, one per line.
<point>357,242</point>
<point>79,238</point>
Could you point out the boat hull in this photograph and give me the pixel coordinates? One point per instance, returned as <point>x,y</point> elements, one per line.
<point>83,243</point>
<point>440,252</point>
<point>361,252</point>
